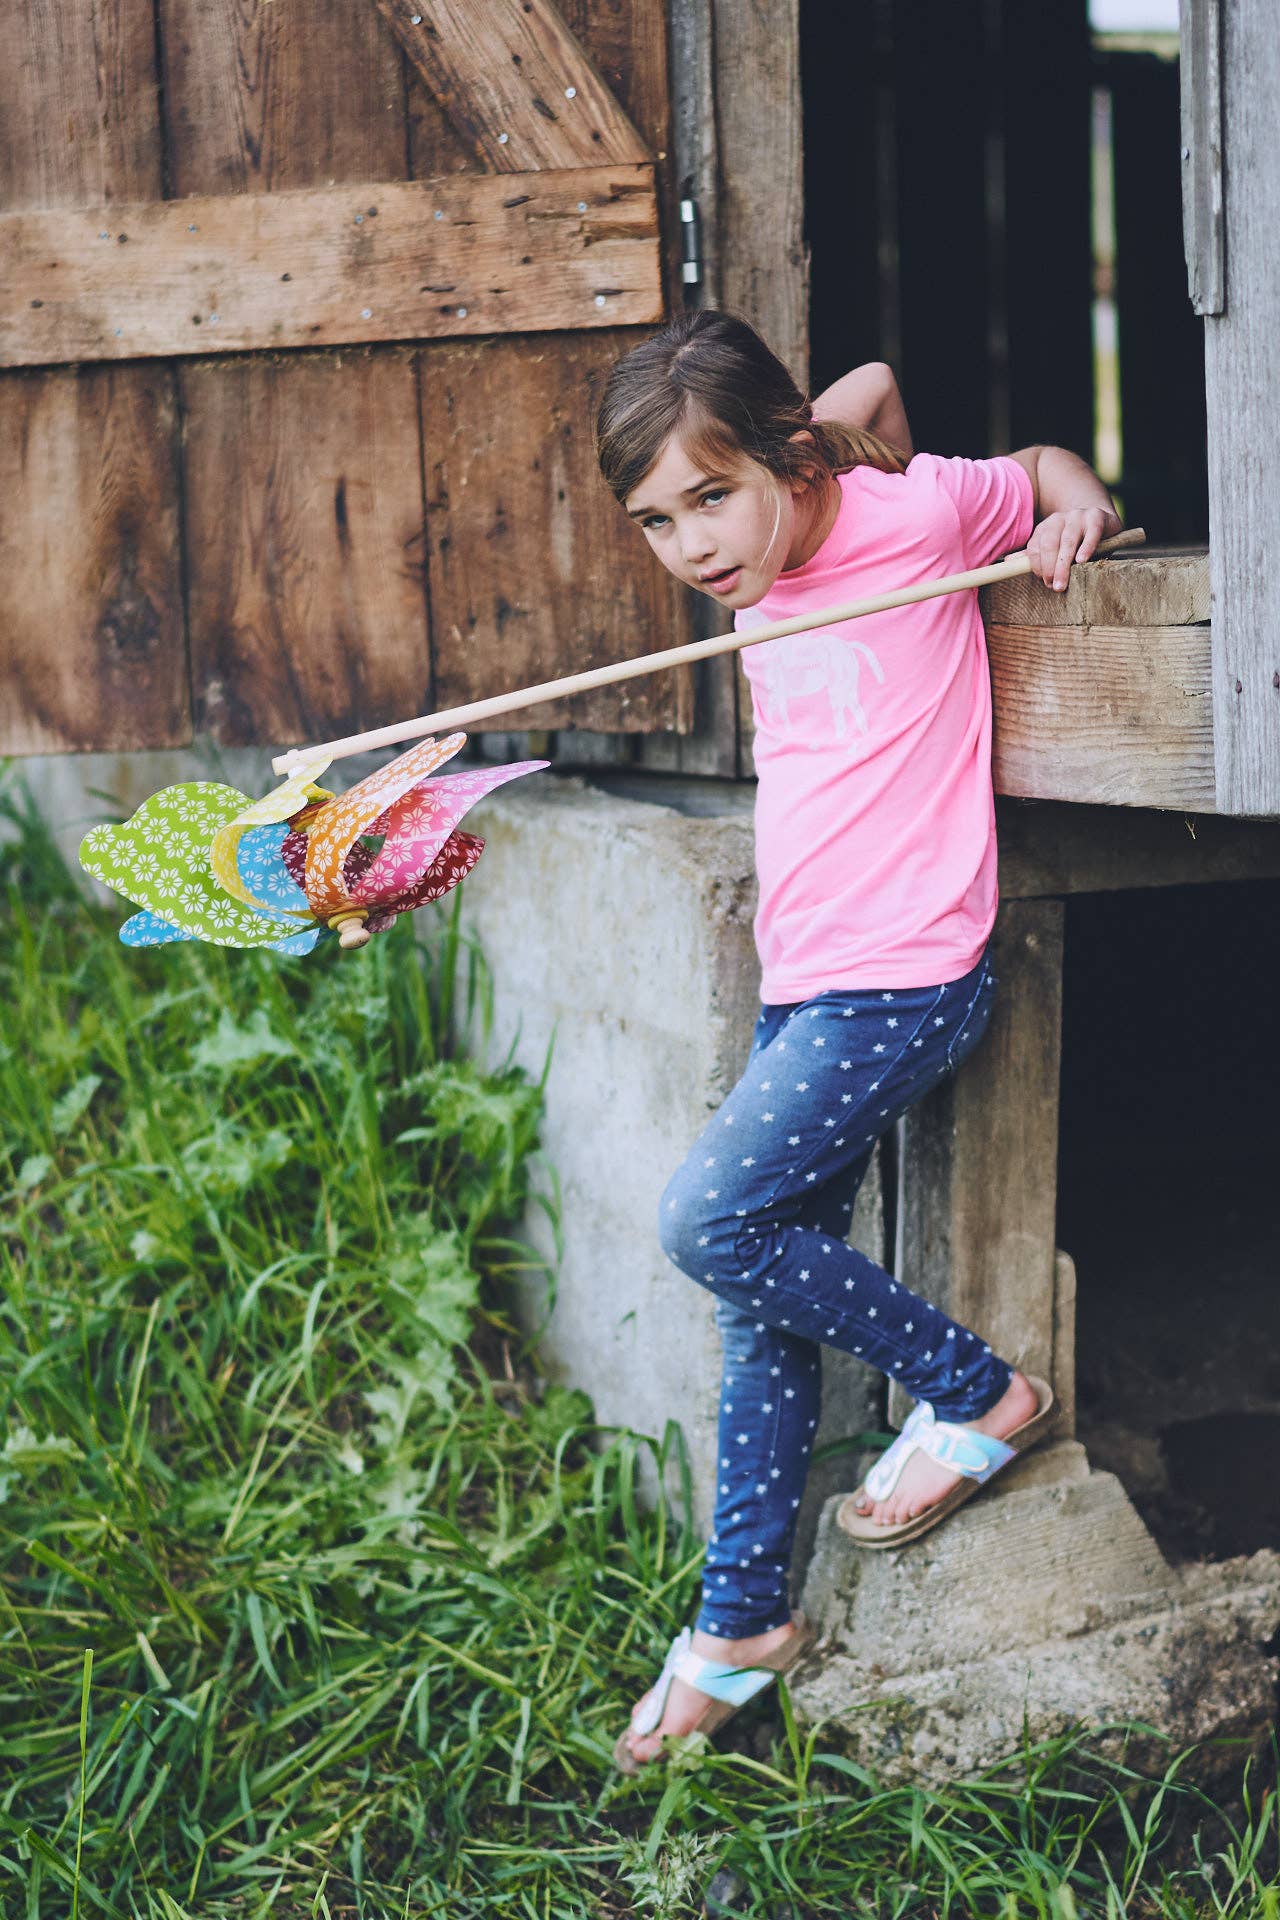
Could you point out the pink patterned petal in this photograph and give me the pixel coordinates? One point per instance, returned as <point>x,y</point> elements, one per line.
<point>340,822</point>
<point>419,824</point>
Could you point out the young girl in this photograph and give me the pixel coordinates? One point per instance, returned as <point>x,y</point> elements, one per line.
<point>875,847</point>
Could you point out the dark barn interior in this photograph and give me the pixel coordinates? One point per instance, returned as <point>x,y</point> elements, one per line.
<point>993,205</point>
<point>1170,1067</point>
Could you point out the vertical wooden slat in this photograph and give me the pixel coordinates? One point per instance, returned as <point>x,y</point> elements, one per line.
<point>1200,74</point>
<point>712,748</point>
<point>90,584</point>
<point>531,563</point>
<point>979,1158</point>
<point>761,262</point>
<point>303,474</point>
<point>1242,363</point>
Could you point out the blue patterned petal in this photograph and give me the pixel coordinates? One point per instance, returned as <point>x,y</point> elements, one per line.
<point>299,942</point>
<point>264,872</point>
<point>149,930</point>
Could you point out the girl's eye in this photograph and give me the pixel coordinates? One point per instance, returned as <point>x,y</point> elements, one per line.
<point>716,495</point>
<point>653,521</point>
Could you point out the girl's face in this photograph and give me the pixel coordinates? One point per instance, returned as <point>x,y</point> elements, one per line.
<point>728,532</point>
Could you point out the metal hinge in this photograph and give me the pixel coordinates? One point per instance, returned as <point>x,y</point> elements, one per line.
<point>691,243</point>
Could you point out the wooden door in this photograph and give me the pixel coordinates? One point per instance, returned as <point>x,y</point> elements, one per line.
<point>304,443</point>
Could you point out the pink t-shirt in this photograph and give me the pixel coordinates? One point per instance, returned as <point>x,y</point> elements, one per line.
<point>875,823</point>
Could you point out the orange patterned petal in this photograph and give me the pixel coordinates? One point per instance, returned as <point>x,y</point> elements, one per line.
<point>341,821</point>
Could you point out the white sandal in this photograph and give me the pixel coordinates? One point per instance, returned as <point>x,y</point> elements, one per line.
<point>973,1455</point>
<point>727,1688</point>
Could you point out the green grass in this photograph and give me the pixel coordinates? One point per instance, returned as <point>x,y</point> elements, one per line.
<point>311,1602</point>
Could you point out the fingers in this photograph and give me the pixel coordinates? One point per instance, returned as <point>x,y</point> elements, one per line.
<point>1063,539</point>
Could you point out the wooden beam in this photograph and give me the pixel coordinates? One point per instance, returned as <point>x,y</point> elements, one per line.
<point>1153,587</point>
<point>330,266</point>
<point>1056,847</point>
<point>978,1162</point>
<point>515,83</point>
<point>1119,715</point>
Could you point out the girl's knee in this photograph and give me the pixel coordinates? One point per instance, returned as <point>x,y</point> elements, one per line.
<point>696,1236</point>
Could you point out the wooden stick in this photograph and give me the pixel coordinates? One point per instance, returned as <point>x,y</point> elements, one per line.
<point>503,703</point>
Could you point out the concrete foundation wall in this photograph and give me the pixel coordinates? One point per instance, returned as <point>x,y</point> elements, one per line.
<point>619,934</point>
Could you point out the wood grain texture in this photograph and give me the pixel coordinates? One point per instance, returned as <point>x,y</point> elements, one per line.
<point>1242,373</point>
<point>1155,587</point>
<point>548,568</point>
<point>330,266</point>
<point>306,596</point>
<point>534,569</point>
<point>90,593</point>
<point>1118,715</point>
<point>302,472</point>
<point>90,600</point>
<point>1200,77</point>
<point>979,1157</point>
<point>1056,847</point>
<point>760,264</point>
<point>520,89</point>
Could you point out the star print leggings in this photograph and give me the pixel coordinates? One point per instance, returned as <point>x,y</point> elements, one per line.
<point>758,1213</point>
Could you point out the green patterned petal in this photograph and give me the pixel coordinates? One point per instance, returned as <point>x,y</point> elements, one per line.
<point>159,859</point>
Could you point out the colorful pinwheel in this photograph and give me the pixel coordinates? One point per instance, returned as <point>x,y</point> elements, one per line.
<point>204,862</point>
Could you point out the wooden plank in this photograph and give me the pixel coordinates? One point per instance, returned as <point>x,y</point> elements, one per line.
<point>533,567</point>
<point>759,261</point>
<point>1154,587</point>
<point>1118,715</point>
<point>763,268</point>
<point>978,1167</point>
<point>90,560</point>
<point>90,590</point>
<point>307,595</point>
<point>302,472</point>
<point>1203,227</point>
<point>532,548</point>
<point>1242,368</point>
<point>1051,847</point>
<point>330,266</point>
<point>518,86</point>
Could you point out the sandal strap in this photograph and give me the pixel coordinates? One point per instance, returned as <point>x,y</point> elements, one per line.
<point>733,1685</point>
<point>963,1449</point>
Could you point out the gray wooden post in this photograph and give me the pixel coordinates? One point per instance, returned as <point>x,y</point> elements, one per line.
<point>1232,188</point>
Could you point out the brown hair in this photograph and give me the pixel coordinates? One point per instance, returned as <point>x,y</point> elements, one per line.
<point>712,376</point>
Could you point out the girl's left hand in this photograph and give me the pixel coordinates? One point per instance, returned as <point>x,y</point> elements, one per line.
<point>1063,538</point>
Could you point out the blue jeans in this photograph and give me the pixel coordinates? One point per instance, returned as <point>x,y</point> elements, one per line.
<point>758,1213</point>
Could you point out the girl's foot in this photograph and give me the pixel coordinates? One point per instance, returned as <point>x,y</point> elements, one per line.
<point>923,1482</point>
<point>685,1705</point>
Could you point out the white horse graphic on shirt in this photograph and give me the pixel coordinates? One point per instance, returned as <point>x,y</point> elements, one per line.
<point>809,663</point>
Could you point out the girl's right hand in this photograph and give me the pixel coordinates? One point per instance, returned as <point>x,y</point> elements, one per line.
<point>1064,538</point>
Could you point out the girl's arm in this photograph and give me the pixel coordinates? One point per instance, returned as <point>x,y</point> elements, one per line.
<point>868,398</point>
<point>1077,512</point>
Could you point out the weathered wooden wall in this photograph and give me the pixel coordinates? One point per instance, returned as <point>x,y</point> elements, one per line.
<point>1241,182</point>
<point>279,545</point>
